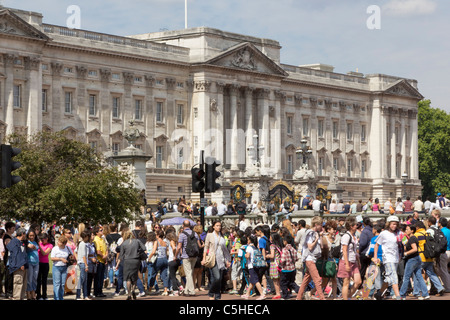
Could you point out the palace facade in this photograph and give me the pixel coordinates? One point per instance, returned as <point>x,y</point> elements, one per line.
<point>206,89</point>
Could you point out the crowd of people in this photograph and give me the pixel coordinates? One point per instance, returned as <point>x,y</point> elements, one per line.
<point>326,259</point>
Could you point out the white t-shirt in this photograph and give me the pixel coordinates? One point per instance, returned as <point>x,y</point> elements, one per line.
<point>250,250</point>
<point>316,205</point>
<point>208,211</point>
<point>59,253</point>
<point>418,205</point>
<point>352,245</point>
<point>399,206</point>
<point>388,241</point>
<point>221,209</point>
<point>312,255</point>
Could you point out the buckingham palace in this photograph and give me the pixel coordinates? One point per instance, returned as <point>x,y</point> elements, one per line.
<point>303,127</point>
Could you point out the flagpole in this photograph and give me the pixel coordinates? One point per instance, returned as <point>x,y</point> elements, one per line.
<point>185,14</point>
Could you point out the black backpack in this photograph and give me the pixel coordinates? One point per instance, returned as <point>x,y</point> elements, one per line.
<point>335,250</point>
<point>192,249</point>
<point>435,245</point>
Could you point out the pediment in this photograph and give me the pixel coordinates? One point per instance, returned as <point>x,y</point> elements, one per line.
<point>247,57</point>
<point>403,88</point>
<point>12,24</point>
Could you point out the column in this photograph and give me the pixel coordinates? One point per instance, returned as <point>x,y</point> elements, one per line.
<point>220,125</point>
<point>278,152</point>
<point>414,149</point>
<point>57,111</point>
<point>393,144</point>
<point>377,128</point>
<point>264,125</point>
<point>403,116</point>
<point>8,60</point>
<point>233,143</point>
<point>104,104</point>
<point>250,130</point>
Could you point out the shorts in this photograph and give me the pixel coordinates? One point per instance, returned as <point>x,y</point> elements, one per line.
<point>342,271</point>
<point>254,279</point>
<point>236,270</point>
<point>390,273</point>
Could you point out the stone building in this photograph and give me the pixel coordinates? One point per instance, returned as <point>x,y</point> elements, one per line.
<point>206,89</point>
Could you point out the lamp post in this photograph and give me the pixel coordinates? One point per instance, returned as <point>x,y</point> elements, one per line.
<point>255,151</point>
<point>304,152</point>
<point>404,180</point>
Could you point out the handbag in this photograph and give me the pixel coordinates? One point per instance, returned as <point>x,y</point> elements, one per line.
<point>154,257</point>
<point>326,268</point>
<point>210,259</point>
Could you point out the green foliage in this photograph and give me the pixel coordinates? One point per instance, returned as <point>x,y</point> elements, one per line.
<point>434,149</point>
<point>65,180</point>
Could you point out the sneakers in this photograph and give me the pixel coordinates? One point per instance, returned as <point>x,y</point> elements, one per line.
<point>276,298</point>
<point>164,293</point>
<point>440,293</point>
<point>308,295</point>
<point>424,298</point>
<point>233,292</point>
<point>141,294</point>
<point>244,296</point>
<point>263,297</point>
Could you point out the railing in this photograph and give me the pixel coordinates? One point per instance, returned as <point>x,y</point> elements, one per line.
<point>126,41</point>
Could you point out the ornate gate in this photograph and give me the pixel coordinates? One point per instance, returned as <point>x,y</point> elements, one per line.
<point>237,192</point>
<point>280,191</point>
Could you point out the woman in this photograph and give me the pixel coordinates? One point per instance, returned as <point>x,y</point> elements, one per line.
<point>82,261</point>
<point>376,206</point>
<point>276,246</point>
<point>149,245</point>
<point>45,247</point>
<point>328,239</point>
<point>60,257</point>
<point>216,243</point>
<point>92,263</point>
<point>253,274</point>
<point>130,255</point>
<point>173,264</point>
<point>333,207</point>
<point>161,264</point>
<point>33,265</point>
<point>413,267</point>
<point>231,209</point>
<point>388,240</point>
<point>198,268</point>
<point>241,223</point>
<point>399,206</point>
<point>349,264</point>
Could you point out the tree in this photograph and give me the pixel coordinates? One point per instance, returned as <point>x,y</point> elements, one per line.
<point>434,149</point>
<point>66,180</point>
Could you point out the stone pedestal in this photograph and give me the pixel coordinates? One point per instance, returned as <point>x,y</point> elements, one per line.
<point>136,161</point>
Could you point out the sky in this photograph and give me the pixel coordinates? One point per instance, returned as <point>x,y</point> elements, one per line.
<point>405,38</point>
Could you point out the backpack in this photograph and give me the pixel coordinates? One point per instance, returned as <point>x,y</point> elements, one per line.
<point>335,250</point>
<point>244,259</point>
<point>287,206</point>
<point>112,252</point>
<point>435,245</point>
<point>258,259</point>
<point>192,249</point>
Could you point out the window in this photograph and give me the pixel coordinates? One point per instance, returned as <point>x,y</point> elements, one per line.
<point>349,167</point>
<point>159,189</point>
<point>68,70</point>
<point>289,125</point>
<point>44,100</point>
<point>320,166</point>
<point>92,73</point>
<point>115,148</point>
<point>349,131</point>
<point>115,76</point>
<point>93,145</point>
<point>17,96</point>
<point>138,109</point>
<point>116,107</point>
<point>363,168</point>
<point>159,111</point>
<point>180,159</point>
<point>363,133</point>
<point>290,164</point>
<point>159,156</point>
<point>92,104</point>
<point>68,102</point>
<point>320,128</point>
<point>305,127</point>
<point>336,164</point>
<point>335,130</point>
<point>180,113</point>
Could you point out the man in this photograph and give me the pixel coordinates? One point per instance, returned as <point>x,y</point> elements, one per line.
<point>418,205</point>
<point>271,208</point>
<point>415,218</point>
<point>221,209</point>
<point>241,207</point>
<point>306,202</point>
<point>364,244</point>
<point>10,228</point>
<point>427,263</point>
<point>102,255</point>
<point>208,210</point>
<point>442,269</point>
<point>408,205</point>
<point>188,262</point>
<point>427,205</point>
<point>214,210</point>
<point>440,200</point>
<point>18,263</point>
<point>299,240</point>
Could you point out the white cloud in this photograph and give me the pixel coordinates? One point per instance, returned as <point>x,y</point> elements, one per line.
<point>410,7</point>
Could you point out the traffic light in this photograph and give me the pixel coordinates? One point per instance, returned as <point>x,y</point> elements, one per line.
<point>211,175</point>
<point>198,183</point>
<point>8,165</point>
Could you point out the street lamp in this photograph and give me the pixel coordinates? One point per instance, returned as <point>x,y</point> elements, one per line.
<point>255,151</point>
<point>304,151</point>
<point>404,180</point>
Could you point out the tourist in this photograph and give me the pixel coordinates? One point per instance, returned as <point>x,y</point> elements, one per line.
<point>418,205</point>
<point>349,264</point>
<point>445,257</point>
<point>112,240</point>
<point>152,255</point>
<point>130,255</point>
<point>413,266</point>
<point>173,264</point>
<point>215,242</point>
<point>276,247</point>
<point>250,253</point>
<point>408,205</point>
<point>82,261</point>
<point>328,240</point>
<point>364,244</point>
<point>333,207</point>
<point>10,228</point>
<point>389,240</point>
<point>102,254</point>
<point>387,208</point>
<point>2,262</point>
<point>236,267</point>
<point>33,264</point>
<point>287,266</point>
<point>92,263</point>
<point>399,206</point>
<point>60,258</point>
<point>198,268</point>
<point>310,253</point>
<point>18,263</point>
<point>161,265</point>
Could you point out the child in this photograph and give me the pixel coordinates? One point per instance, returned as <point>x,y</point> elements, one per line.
<point>254,279</point>
<point>243,262</point>
<point>236,268</point>
<point>287,264</point>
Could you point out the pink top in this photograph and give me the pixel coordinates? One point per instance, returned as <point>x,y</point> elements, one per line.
<point>42,258</point>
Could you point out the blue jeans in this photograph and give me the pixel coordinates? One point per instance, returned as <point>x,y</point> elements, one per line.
<point>413,269</point>
<point>279,214</point>
<point>99,278</point>
<point>162,265</point>
<point>32,275</point>
<point>119,278</point>
<point>428,267</point>
<point>216,282</point>
<point>151,279</point>
<point>59,281</point>
<point>82,281</point>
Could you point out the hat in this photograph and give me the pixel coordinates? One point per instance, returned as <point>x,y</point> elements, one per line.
<point>439,194</point>
<point>393,219</point>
